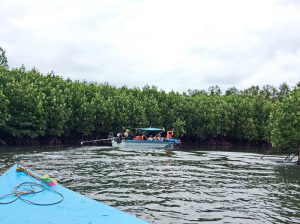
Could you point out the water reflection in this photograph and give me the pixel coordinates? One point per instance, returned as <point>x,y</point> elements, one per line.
<point>181,187</point>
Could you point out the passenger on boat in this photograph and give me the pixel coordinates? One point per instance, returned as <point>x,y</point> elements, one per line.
<point>139,137</point>
<point>150,138</point>
<point>169,134</point>
<point>119,138</point>
<point>126,133</point>
<point>157,138</point>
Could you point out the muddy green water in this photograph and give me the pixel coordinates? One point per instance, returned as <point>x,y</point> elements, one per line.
<point>185,187</point>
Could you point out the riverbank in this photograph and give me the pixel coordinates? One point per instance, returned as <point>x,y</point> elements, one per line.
<point>187,143</point>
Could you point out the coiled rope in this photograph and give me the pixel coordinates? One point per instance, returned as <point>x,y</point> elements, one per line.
<point>29,188</point>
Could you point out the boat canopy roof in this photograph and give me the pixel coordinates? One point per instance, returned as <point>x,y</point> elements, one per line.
<point>150,129</point>
<point>147,129</point>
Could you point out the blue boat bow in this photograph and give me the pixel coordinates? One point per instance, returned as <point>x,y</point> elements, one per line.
<point>73,209</point>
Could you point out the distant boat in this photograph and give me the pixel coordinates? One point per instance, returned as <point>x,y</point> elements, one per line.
<point>149,138</point>
<point>24,199</point>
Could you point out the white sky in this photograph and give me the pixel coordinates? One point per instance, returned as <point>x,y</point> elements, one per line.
<point>172,44</point>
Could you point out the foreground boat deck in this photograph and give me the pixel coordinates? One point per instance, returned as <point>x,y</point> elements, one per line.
<point>74,209</point>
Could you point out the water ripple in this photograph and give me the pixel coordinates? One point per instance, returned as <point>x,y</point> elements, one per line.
<point>184,187</point>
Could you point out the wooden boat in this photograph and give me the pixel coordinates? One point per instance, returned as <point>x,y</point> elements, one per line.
<point>24,199</point>
<point>146,138</point>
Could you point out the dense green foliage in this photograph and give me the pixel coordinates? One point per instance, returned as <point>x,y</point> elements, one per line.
<point>3,59</point>
<point>35,106</point>
<point>285,122</point>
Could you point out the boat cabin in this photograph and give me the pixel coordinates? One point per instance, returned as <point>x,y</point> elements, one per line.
<point>149,134</point>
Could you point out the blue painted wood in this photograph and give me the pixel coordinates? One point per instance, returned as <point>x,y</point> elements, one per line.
<point>74,209</point>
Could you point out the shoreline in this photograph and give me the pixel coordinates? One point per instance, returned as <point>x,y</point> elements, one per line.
<point>186,145</point>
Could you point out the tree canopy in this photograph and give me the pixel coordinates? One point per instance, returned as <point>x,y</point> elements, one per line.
<point>3,59</point>
<point>285,122</point>
<point>36,106</point>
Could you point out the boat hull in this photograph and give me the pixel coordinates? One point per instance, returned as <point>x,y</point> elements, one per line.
<point>143,144</point>
<point>74,209</point>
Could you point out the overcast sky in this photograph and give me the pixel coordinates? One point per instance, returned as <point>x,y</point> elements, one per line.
<point>172,44</point>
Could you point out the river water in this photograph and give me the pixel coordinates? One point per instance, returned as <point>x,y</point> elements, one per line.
<point>194,186</point>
